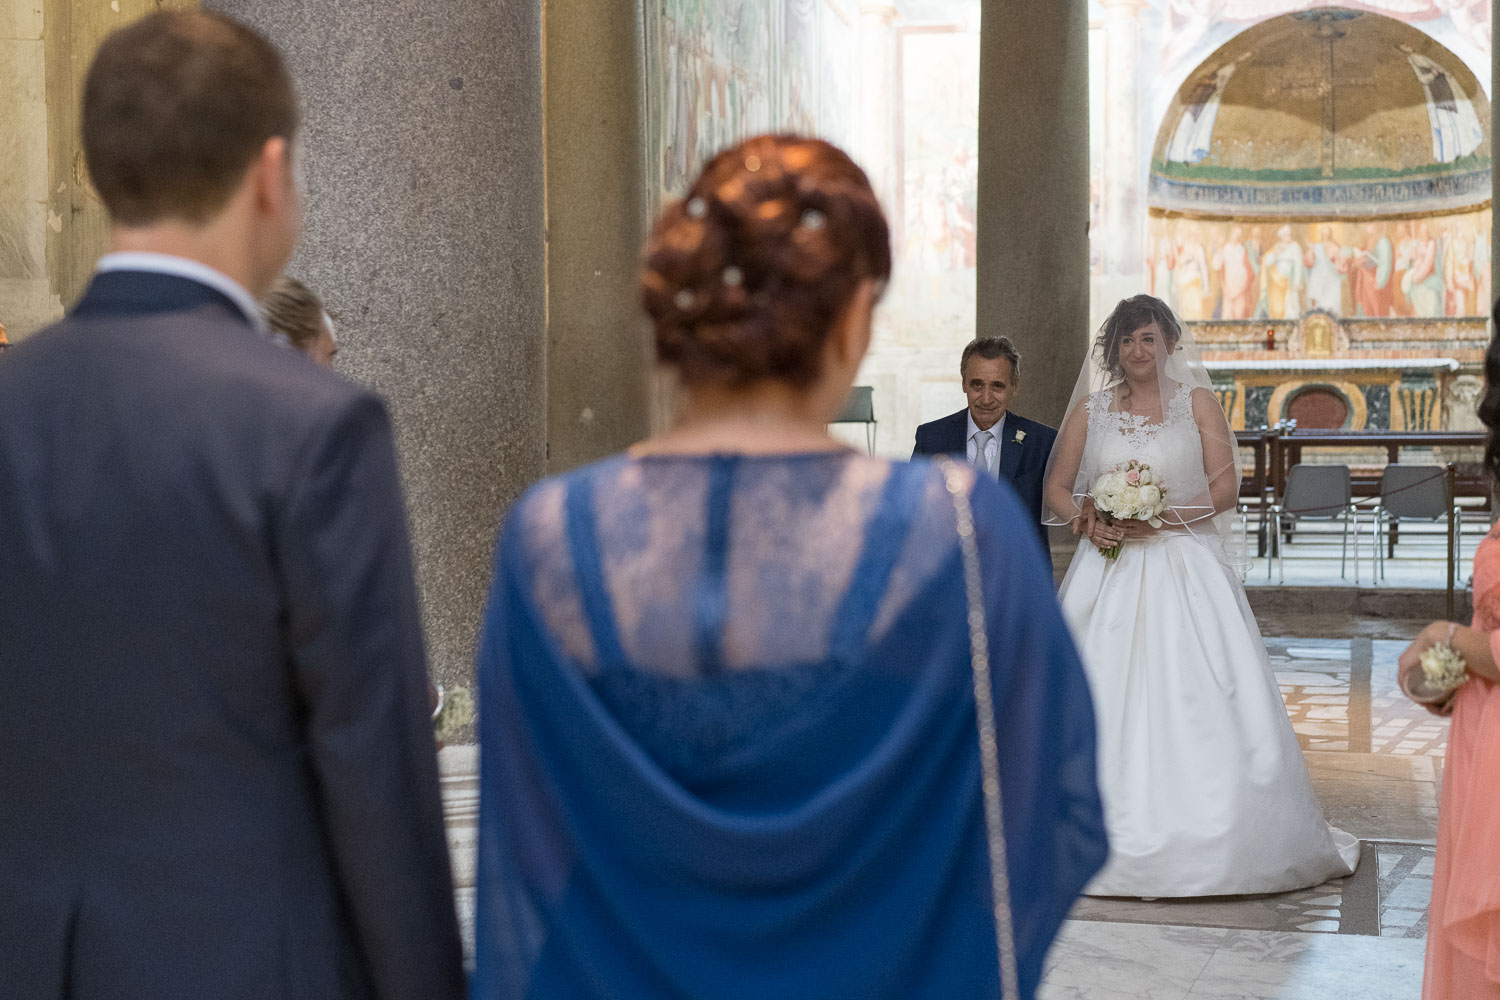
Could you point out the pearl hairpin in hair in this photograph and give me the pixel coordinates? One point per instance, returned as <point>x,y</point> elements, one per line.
<point>733,276</point>
<point>684,299</point>
<point>813,219</point>
<point>752,163</point>
<point>697,208</point>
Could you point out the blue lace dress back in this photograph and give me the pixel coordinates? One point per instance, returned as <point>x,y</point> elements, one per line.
<point>728,741</point>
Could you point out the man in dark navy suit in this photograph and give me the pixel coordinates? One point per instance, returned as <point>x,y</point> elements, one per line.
<point>217,775</point>
<point>987,433</point>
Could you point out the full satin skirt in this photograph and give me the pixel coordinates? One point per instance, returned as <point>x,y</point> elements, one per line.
<point>1205,789</point>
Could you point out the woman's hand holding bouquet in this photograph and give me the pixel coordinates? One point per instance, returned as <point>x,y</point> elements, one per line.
<point>1130,492</point>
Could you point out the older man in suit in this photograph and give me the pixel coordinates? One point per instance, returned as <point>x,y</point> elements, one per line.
<point>997,441</point>
<point>217,775</point>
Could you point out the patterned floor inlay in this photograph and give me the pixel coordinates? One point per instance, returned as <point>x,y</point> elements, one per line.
<point>1315,910</point>
<point>1398,726</point>
<point>1405,888</point>
<point>1315,676</point>
<point>1386,896</point>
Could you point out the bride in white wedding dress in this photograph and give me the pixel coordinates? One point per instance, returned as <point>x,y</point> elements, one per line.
<point>1205,789</point>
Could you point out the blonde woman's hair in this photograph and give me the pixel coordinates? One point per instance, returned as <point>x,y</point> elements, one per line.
<point>291,309</point>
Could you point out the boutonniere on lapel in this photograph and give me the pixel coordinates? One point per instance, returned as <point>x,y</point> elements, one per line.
<point>1020,436</point>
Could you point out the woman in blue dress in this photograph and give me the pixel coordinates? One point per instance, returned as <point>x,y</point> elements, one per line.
<point>727,711</point>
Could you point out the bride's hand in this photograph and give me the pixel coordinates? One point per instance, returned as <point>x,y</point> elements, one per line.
<point>1139,529</point>
<point>1087,518</point>
<point>1104,535</point>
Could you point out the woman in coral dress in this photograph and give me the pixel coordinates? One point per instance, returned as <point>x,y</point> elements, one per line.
<point>1463,935</point>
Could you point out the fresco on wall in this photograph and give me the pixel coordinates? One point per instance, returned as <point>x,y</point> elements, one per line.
<point>940,162</point>
<point>718,71</point>
<point>1238,269</point>
<point>1328,160</point>
<point>1327,113</point>
<point>1188,21</point>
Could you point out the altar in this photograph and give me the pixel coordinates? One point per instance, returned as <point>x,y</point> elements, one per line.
<point>1327,372</point>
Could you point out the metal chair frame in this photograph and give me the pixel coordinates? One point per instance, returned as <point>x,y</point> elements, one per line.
<point>859,408</point>
<point>1447,509</point>
<point>1284,515</point>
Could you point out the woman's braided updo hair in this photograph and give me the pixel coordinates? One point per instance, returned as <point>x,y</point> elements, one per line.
<point>745,277</point>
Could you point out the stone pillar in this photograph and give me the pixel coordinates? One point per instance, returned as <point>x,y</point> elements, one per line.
<point>52,226</point>
<point>879,73</point>
<point>424,235</point>
<point>1123,211</point>
<point>598,344</point>
<point>1033,250</point>
<point>27,300</point>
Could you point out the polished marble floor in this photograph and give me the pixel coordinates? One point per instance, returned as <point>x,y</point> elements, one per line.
<point>1376,763</point>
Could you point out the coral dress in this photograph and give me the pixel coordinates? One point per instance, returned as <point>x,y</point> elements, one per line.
<point>1463,936</point>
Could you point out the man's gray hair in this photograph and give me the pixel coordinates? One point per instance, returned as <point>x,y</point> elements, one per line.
<point>991,348</point>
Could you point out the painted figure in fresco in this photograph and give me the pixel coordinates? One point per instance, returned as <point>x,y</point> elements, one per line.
<point>1284,274</point>
<point>1236,270</point>
<point>1423,284</point>
<point>1455,126</point>
<point>1458,272</point>
<point>1482,273</point>
<point>1327,262</point>
<point>1406,252</point>
<point>960,180</point>
<point>1195,129</point>
<point>1190,277</point>
<point>1162,266</point>
<point>1370,274</point>
<point>1255,249</point>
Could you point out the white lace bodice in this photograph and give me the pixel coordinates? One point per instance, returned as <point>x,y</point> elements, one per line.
<point>1171,447</point>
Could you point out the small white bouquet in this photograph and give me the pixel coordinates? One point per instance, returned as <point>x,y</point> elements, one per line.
<point>1443,672</point>
<point>1129,492</point>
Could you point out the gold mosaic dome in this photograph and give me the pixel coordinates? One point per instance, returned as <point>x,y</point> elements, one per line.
<point>1325,113</point>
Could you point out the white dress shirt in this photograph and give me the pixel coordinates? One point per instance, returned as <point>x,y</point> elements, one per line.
<point>991,448</point>
<point>181,267</point>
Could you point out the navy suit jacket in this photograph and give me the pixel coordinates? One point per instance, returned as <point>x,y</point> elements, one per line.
<point>217,775</point>
<point>1023,464</point>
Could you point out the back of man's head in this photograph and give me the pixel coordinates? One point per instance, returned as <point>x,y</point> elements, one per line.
<point>175,108</point>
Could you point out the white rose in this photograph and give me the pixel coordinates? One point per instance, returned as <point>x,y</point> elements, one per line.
<point>1130,498</point>
<point>1146,477</point>
<point>1150,498</point>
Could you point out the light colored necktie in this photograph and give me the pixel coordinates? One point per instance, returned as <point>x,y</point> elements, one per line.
<point>982,452</point>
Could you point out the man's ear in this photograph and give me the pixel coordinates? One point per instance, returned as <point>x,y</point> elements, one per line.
<point>272,168</point>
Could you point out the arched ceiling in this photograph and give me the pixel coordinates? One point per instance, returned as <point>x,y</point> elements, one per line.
<point>1328,112</point>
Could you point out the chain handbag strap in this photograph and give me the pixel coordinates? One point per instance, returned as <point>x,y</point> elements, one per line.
<point>984,715</point>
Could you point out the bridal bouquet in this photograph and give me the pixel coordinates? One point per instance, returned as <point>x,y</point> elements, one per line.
<point>1129,492</point>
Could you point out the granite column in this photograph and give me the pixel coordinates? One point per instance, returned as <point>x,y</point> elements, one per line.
<point>1033,250</point>
<point>425,236</point>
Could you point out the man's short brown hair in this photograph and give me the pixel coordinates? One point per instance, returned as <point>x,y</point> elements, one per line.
<point>175,108</point>
<point>991,348</point>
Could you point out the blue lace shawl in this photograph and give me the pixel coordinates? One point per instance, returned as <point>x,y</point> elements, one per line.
<point>725,828</point>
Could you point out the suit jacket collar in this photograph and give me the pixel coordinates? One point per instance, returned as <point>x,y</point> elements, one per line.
<point>145,293</point>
